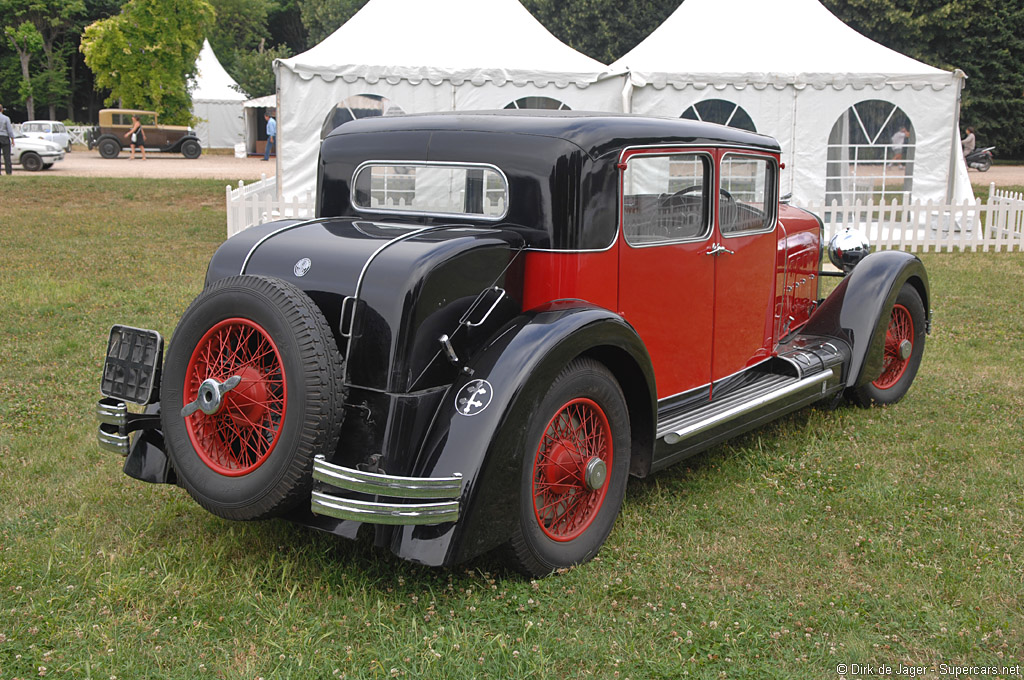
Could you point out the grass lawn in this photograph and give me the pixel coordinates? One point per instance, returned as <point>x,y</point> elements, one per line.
<point>884,536</point>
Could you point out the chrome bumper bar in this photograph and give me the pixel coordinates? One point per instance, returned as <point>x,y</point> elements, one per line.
<point>442,492</point>
<point>113,416</point>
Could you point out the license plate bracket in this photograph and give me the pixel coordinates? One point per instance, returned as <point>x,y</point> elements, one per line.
<point>131,370</point>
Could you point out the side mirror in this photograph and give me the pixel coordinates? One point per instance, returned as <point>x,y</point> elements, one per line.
<point>847,248</point>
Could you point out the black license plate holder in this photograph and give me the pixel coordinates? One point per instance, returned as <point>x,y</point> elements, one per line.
<point>131,370</point>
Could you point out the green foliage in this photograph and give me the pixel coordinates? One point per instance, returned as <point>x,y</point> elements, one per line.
<point>146,54</point>
<point>323,17</point>
<point>254,70</point>
<point>240,26</point>
<point>602,29</point>
<point>285,24</point>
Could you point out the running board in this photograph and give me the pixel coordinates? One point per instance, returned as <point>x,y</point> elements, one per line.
<point>761,393</point>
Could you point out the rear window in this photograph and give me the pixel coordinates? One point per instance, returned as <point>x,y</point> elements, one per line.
<point>443,189</point>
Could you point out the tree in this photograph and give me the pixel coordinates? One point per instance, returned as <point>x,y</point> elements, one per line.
<point>254,70</point>
<point>146,54</point>
<point>240,26</point>
<point>602,29</point>
<point>26,41</point>
<point>323,17</point>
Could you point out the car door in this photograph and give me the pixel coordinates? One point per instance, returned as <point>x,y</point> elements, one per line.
<point>666,279</point>
<point>744,254</point>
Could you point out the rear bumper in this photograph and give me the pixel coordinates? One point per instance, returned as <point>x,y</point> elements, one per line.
<point>397,500</point>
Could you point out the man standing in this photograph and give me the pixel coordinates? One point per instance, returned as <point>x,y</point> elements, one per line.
<point>6,136</point>
<point>271,134</point>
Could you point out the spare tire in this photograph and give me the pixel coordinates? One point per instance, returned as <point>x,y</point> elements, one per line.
<point>251,392</point>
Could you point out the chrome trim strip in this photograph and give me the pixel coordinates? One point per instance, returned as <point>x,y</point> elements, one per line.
<point>775,197</point>
<point>110,440</point>
<point>429,164</point>
<point>712,212</point>
<point>386,485</point>
<point>674,437</point>
<point>111,412</point>
<point>384,513</point>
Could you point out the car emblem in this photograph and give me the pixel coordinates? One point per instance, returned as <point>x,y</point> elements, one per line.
<point>302,266</point>
<point>474,397</point>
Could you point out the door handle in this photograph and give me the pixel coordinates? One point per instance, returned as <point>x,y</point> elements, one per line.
<point>717,249</point>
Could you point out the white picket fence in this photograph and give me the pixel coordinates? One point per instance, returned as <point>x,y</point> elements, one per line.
<point>995,224</point>
<point>256,203</point>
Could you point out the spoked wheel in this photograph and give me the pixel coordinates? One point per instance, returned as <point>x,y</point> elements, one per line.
<point>901,355</point>
<point>237,437</point>
<point>252,391</point>
<point>575,468</point>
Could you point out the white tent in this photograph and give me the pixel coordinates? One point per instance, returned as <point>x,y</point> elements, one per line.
<point>409,56</point>
<point>216,103</point>
<point>833,98</point>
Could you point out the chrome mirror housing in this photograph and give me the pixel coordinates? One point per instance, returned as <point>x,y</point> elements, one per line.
<point>847,248</point>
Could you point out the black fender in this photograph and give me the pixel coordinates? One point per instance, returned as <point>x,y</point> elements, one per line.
<point>519,364</point>
<point>96,142</point>
<point>857,312</point>
<point>175,147</point>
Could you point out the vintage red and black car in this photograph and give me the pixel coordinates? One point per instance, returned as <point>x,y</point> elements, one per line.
<point>493,321</point>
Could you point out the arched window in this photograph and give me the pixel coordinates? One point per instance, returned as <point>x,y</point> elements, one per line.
<point>722,112</point>
<point>870,155</point>
<point>538,103</point>
<point>358,106</point>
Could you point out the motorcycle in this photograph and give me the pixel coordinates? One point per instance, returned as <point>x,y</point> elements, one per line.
<point>980,159</point>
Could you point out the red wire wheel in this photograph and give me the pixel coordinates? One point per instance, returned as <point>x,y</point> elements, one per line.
<point>241,435</point>
<point>899,344</point>
<point>573,456</point>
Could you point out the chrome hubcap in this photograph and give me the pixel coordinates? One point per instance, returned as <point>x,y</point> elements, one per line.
<point>906,347</point>
<point>210,397</point>
<point>595,474</point>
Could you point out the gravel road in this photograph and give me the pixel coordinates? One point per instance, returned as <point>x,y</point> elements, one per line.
<point>85,163</point>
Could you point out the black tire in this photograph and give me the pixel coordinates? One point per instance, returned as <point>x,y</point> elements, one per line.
<point>68,148</point>
<point>253,458</point>
<point>31,161</point>
<point>109,148</point>
<point>906,322</point>
<point>47,166</point>
<point>574,520</point>
<point>190,149</point>
<point>984,165</point>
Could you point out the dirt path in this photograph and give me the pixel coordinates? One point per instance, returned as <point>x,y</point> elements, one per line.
<point>84,163</point>
<point>1002,175</point>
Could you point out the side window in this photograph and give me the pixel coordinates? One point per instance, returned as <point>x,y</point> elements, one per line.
<point>666,198</point>
<point>747,201</point>
<point>447,190</point>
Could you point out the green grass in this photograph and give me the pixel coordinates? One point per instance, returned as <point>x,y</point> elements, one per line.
<point>850,536</point>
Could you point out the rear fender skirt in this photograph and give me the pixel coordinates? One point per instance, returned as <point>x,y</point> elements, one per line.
<point>857,311</point>
<point>518,365</point>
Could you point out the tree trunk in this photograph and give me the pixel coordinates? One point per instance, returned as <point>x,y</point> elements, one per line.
<point>30,102</point>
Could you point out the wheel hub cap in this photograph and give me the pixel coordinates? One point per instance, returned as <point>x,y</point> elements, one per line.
<point>906,347</point>
<point>595,474</point>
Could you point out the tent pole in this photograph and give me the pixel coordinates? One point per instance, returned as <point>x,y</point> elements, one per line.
<point>955,151</point>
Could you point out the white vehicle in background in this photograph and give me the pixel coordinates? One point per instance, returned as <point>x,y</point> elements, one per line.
<point>50,130</point>
<point>33,153</point>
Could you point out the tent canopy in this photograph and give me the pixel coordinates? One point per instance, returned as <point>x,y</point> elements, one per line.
<point>212,82</point>
<point>783,42</point>
<point>454,40</point>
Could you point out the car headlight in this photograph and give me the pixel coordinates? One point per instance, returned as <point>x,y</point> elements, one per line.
<point>847,248</point>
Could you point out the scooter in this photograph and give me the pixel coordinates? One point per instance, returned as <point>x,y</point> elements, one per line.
<point>980,159</point>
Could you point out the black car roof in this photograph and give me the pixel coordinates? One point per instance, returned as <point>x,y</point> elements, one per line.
<point>595,133</point>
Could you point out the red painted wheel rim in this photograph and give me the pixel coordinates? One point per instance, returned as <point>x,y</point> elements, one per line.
<point>562,503</point>
<point>242,434</point>
<point>901,328</point>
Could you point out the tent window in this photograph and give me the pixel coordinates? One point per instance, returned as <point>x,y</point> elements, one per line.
<point>870,155</point>
<point>546,103</point>
<point>722,112</point>
<point>431,189</point>
<point>358,106</point>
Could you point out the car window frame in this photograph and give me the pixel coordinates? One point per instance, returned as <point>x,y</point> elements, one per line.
<point>771,201</point>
